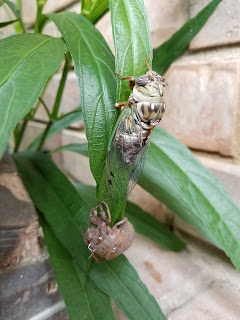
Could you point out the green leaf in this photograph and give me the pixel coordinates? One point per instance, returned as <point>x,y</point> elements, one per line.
<point>132,47</point>
<point>174,47</point>
<point>132,41</point>
<point>27,61</point>
<point>63,122</point>
<point>94,67</point>
<point>17,13</point>
<point>87,192</point>
<point>81,148</point>
<point>57,199</point>
<point>143,222</point>
<point>83,299</point>
<point>123,284</point>
<point>175,177</point>
<point>65,211</point>
<point>4,24</point>
<point>146,225</point>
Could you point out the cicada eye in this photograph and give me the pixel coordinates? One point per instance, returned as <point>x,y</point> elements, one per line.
<point>141,81</point>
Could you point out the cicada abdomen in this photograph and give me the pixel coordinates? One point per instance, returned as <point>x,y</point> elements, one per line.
<point>130,140</point>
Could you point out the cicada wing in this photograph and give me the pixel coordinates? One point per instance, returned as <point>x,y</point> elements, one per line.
<point>137,168</point>
<point>125,157</point>
<point>117,170</point>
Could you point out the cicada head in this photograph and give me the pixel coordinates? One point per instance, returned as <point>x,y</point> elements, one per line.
<point>149,87</point>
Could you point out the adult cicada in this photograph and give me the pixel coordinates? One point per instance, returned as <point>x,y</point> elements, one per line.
<point>131,136</point>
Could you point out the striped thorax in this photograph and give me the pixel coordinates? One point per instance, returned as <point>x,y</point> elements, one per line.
<point>148,92</point>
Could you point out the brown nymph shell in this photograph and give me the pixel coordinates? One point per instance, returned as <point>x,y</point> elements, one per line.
<point>105,242</point>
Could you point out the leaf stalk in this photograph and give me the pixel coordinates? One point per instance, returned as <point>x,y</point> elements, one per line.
<point>57,102</point>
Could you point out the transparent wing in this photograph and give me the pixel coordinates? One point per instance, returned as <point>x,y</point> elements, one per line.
<point>137,168</point>
<point>126,155</point>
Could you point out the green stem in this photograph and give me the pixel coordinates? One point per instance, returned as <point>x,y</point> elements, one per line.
<point>61,86</point>
<point>20,135</point>
<point>19,4</point>
<point>86,7</point>
<point>44,136</point>
<point>39,14</point>
<point>40,5</point>
<point>45,107</point>
<point>16,12</point>
<point>42,23</point>
<point>57,101</point>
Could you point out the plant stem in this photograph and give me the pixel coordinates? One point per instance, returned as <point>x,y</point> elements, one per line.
<point>39,14</point>
<point>44,136</point>
<point>86,7</point>
<point>17,13</point>
<point>40,5</point>
<point>61,86</point>
<point>19,138</point>
<point>19,4</point>
<point>45,107</point>
<point>57,101</point>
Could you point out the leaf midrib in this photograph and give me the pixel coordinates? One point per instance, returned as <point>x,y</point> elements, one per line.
<point>127,289</point>
<point>21,60</point>
<point>103,85</point>
<point>220,218</point>
<point>83,289</point>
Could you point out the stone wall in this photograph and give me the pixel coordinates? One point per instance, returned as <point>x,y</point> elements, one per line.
<point>28,287</point>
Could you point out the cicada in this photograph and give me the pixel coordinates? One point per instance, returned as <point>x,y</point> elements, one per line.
<point>131,136</point>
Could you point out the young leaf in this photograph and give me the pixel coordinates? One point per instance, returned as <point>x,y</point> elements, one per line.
<point>132,41</point>
<point>83,299</point>
<point>17,13</point>
<point>63,122</point>
<point>123,284</point>
<point>142,222</point>
<point>27,61</point>
<point>174,47</point>
<point>4,24</point>
<point>94,67</point>
<point>81,148</point>
<point>175,177</point>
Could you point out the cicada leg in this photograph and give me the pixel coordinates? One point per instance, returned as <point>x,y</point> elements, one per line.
<point>149,56</point>
<point>93,218</point>
<point>119,223</point>
<point>120,104</point>
<point>103,214</point>
<point>131,82</point>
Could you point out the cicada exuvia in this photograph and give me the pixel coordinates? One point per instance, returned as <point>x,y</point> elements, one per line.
<point>129,143</point>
